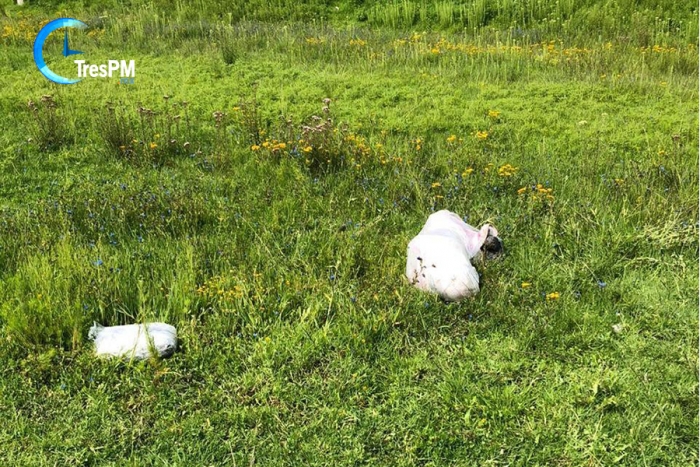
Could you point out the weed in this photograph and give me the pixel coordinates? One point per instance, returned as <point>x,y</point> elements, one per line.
<point>49,130</point>
<point>150,136</point>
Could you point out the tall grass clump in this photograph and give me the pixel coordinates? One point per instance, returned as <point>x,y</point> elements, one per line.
<point>320,143</point>
<point>150,135</point>
<point>41,303</point>
<point>49,129</point>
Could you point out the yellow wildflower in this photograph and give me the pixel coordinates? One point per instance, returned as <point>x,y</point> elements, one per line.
<point>307,149</point>
<point>451,139</point>
<point>507,170</point>
<point>553,296</point>
<point>152,145</point>
<point>525,285</point>
<point>522,190</point>
<point>494,113</point>
<point>482,135</point>
<point>435,185</point>
<point>255,147</point>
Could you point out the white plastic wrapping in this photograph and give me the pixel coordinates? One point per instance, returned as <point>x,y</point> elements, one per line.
<point>135,341</point>
<point>439,258</point>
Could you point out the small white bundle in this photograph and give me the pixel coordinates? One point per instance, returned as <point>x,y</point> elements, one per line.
<point>438,259</point>
<point>137,341</point>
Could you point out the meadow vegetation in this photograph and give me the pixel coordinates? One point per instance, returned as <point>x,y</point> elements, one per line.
<point>257,186</point>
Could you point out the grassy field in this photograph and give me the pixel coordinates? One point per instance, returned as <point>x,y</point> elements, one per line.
<point>257,186</point>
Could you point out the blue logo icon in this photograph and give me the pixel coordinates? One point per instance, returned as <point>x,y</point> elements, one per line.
<point>39,47</point>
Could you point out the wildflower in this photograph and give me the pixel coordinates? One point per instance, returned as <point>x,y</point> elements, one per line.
<point>307,149</point>
<point>522,190</point>
<point>435,185</point>
<point>157,135</point>
<point>255,147</point>
<point>525,285</point>
<point>152,145</point>
<point>451,139</point>
<point>467,171</point>
<point>482,135</point>
<point>507,170</point>
<point>553,296</point>
<point>236,109</point>
<point>620,181</point>
<point>494,113</point>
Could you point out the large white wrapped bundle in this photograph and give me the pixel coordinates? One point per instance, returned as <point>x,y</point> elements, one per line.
<point>439,258</point>
<point>135,341</point>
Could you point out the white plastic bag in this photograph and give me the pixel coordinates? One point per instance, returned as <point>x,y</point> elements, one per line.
<point>439,259</point>
<point>135,341</point>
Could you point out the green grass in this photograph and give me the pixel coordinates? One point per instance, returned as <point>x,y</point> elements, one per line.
<point>302,343</point>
